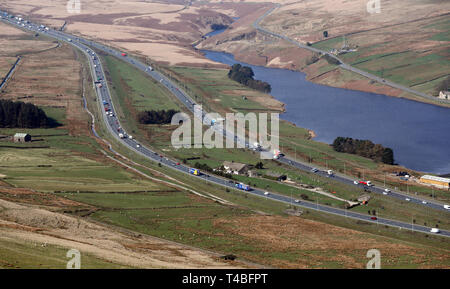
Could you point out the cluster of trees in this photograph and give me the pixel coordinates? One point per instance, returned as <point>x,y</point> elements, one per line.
<point>444,85</point>
<point>364,148</point>
<point>244,75</point>
<point>313,59</point>
<point>22,115</point>
<point>331,60</point>
<point>156,116</point>
<point>218,26</point>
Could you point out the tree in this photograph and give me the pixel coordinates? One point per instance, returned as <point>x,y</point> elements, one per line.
<point>244,75</point>
<point>156,117</point>
<point>325,34</point>
<point>364,148</point>
<point>259,165</point>
<point>444,85</point>
<point>23,115</point>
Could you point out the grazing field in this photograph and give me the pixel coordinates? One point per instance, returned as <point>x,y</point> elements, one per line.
<point>23,254</point>
<point>51,169</point>
<point>32,237</point>
<point>280,241</point>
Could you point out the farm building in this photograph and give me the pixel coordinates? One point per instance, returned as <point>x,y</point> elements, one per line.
<point>235,168</point>
<point>22,137</point>
<point>444,95</point>
<point>435,181</point>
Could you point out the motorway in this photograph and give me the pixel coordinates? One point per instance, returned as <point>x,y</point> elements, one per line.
<point>343,65</point>
<point>113,125</point>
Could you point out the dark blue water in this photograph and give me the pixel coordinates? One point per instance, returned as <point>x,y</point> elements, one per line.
<point>418,133</point>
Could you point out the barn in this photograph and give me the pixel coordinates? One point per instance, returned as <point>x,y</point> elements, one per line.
<point>436,181</point>
<point>22,137</point>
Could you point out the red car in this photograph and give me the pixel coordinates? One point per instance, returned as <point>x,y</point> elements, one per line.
<point>373,218</point>
<point>178,164</point>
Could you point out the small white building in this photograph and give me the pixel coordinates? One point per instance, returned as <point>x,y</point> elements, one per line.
<point>22,137</point>
<point>444,95</point>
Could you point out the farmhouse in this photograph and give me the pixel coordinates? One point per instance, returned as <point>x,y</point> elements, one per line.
<point>444,95</point>
<point>436,181</point>
<point>22,137</point>
<point>235,168</point>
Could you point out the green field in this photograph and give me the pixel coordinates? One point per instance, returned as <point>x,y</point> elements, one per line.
<point>413,67</point>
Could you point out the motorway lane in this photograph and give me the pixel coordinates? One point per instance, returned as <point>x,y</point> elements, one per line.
<point>114,127</point>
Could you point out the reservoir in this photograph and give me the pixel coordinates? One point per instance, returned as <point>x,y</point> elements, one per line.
<point>418,133</point>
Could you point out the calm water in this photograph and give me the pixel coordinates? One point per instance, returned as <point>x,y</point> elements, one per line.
<point>418,133</point>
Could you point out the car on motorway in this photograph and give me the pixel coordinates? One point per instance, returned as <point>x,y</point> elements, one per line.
<point>266,193</point>
<point>387,190</point>
<point>374,218</point>
<point>447,207</point>
<point>314,170</point>
<point>138,146</point>
<point>355,182</point>
<point>297,201</point>
<point>407,199</point>
<point>424,202</point>
<point>178,164</point>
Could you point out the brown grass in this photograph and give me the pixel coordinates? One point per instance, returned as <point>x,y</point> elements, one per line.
<point>316,244</point>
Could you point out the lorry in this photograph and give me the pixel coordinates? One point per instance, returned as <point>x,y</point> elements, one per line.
<point>434,230</point>
<point>276,154</point>
<point>194,171</point>
<point>365,183</point>
<point>243,187</point>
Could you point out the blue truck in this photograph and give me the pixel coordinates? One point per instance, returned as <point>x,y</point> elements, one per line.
<point>243,187</point>
<point>194,171</point>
